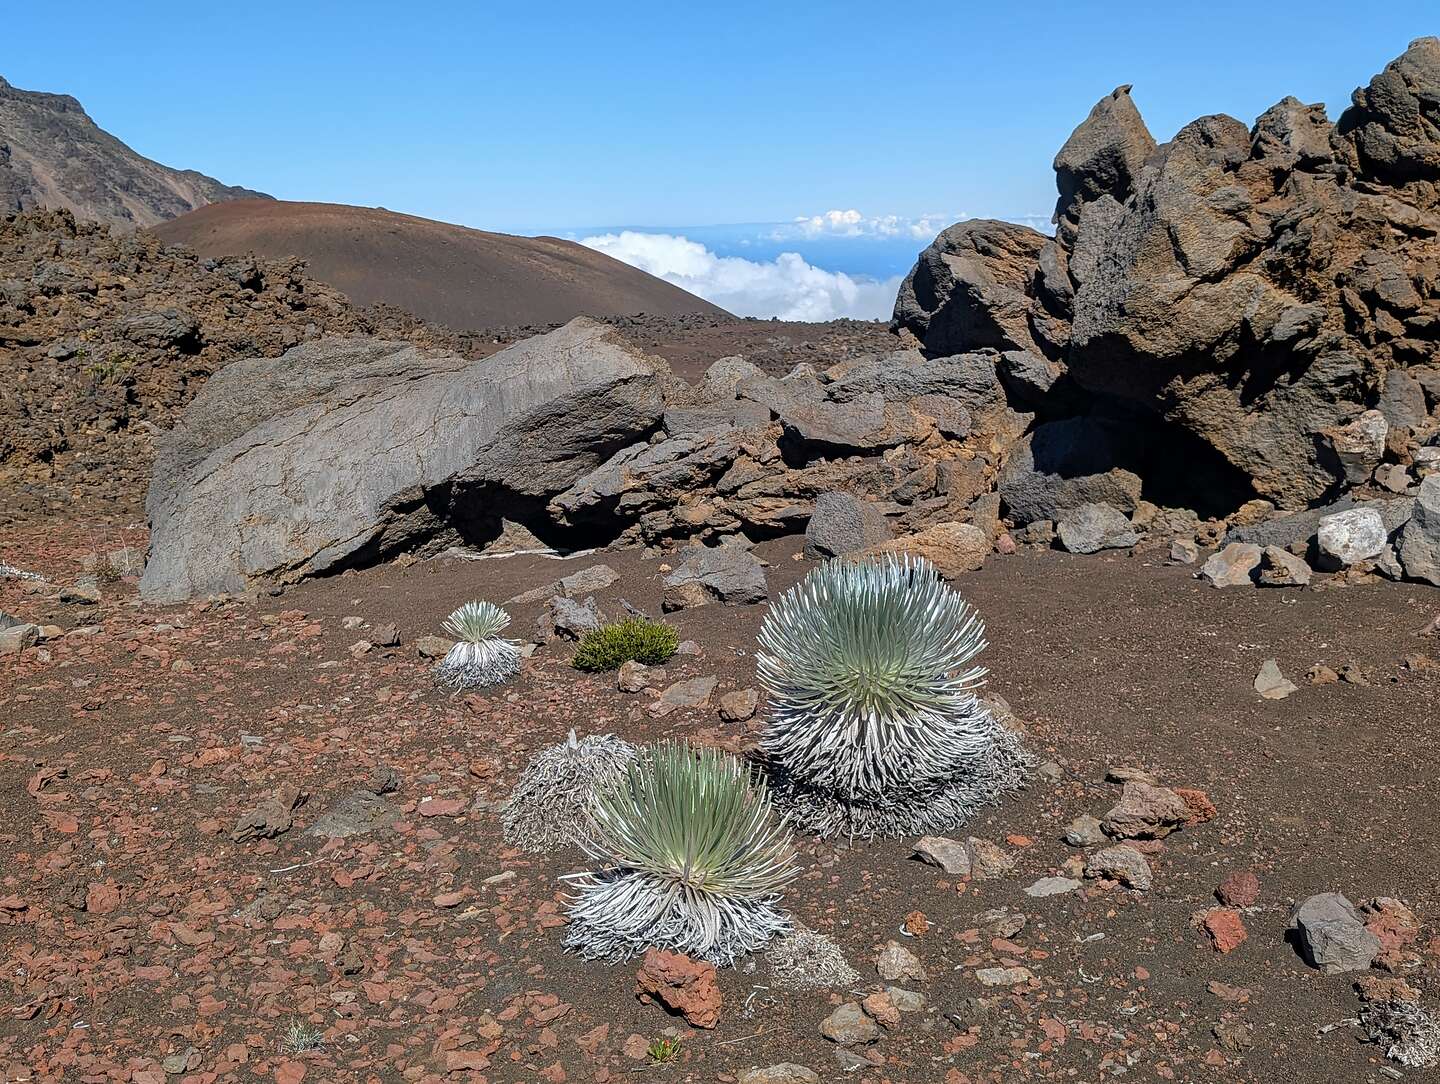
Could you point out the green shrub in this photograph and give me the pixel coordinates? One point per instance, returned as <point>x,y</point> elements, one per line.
<point>635,638</point>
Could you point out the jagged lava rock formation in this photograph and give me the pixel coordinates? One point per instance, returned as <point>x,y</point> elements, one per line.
<point>1254,289</point>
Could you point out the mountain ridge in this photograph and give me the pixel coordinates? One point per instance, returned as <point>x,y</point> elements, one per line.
<point>53,155</point>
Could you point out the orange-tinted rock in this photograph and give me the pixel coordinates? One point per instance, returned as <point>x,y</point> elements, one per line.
<point>1224,929</point>
<point>680,984</point>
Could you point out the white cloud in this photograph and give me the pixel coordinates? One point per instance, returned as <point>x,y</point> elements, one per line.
<point>787,287</point>
<point>852,223</point>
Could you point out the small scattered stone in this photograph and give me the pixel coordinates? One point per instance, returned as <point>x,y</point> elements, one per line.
<point>897,963</point>
<point>635,677</point>
<point>1233,566</point>
<point>690,693</point>
<point>1281,568</point>
<point>17,638</point>
<point>1184,552</point>
<point>739,705</point>
<point>1224,928</point>
<point>1003,976</point>
<point>1121,863</point>
<point>386,635</point>
<point>848,1025</point>
<point>433,647</point>
<point>1051,771</point>
<point>1271,684</point>
<point>1145,811</point>
<point>1084,831</point>
<point>1321,675</point>
<point>1001,921</point>
<point>680,984</point>
<point>988,860</point>
<point>784,1073</point>
<point>907,1001</point>
<point>950,855</point>
<point>271,817</point>
<point>1052,886</point>
<point>882,1010</point>
<point>1240,888</point>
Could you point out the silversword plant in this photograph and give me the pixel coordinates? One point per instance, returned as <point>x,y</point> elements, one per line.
<point>875,727</point>
<point>480,656</point>
<point>692,859</point>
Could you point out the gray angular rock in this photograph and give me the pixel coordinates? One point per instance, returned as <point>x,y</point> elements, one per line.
<point>690,693</point>
<point>739,705</point>
<point>849,1026</point>
<point>1281,568</point>
<point>1332,936</point>
<point>344,451</point>
<point>896,963</point>
<point>1419,549</point>
<point>1094,527</point>
<point>1145,811</point>
<point>1272,684</point>
<point>729,574</point>
<point>1233,566</point>
<point>843,523</point>
<point>1084,831</point>
<point>1062,465</point>
<point>567,619</point>
<point>1121,863</point>
<point>1051,886</point>
<point>16,638</point>
<point>588,580</point>
<point>1349,537</point>
<point>950,855</point>
<point>784,1073</point>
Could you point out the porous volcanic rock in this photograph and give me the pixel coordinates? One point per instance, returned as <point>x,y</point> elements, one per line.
<point>1265,292</point>
<point>344,451</point>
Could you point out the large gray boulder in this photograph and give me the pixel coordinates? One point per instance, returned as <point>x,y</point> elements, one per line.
<point>1420,537</point>
<point>1062,465</point>
<point>974,287</point>
<point>843,523</point>
<point>1094,527</point>
<point>345,450</point>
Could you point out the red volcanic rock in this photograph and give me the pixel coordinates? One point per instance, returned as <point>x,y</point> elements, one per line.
<point>680,984</point>
<point>1224,929</point>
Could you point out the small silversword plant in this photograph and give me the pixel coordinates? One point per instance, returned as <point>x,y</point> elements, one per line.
<point>480,656</point>
<point>692,859</point>
<point>874,726</point>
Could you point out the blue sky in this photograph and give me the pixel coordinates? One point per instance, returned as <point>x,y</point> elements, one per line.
<point>581,118</point>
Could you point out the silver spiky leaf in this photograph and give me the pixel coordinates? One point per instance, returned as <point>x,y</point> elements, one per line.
<point>692,860</point>
<point>480,656</point>
<point>874,726</point>
<point>551,802</point>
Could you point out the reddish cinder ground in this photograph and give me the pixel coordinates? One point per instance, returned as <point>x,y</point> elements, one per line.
<point>141,944</point>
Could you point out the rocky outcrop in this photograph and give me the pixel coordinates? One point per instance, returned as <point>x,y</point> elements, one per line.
<point>344,451</point>
<point>52,155</point>
<point>1252,290</point>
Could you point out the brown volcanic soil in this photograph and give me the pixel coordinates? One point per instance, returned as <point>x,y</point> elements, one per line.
<point>128,754</point>
<point>451,275</point>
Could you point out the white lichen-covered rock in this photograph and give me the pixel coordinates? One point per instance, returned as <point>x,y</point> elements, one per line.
<point>1349,537</point>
